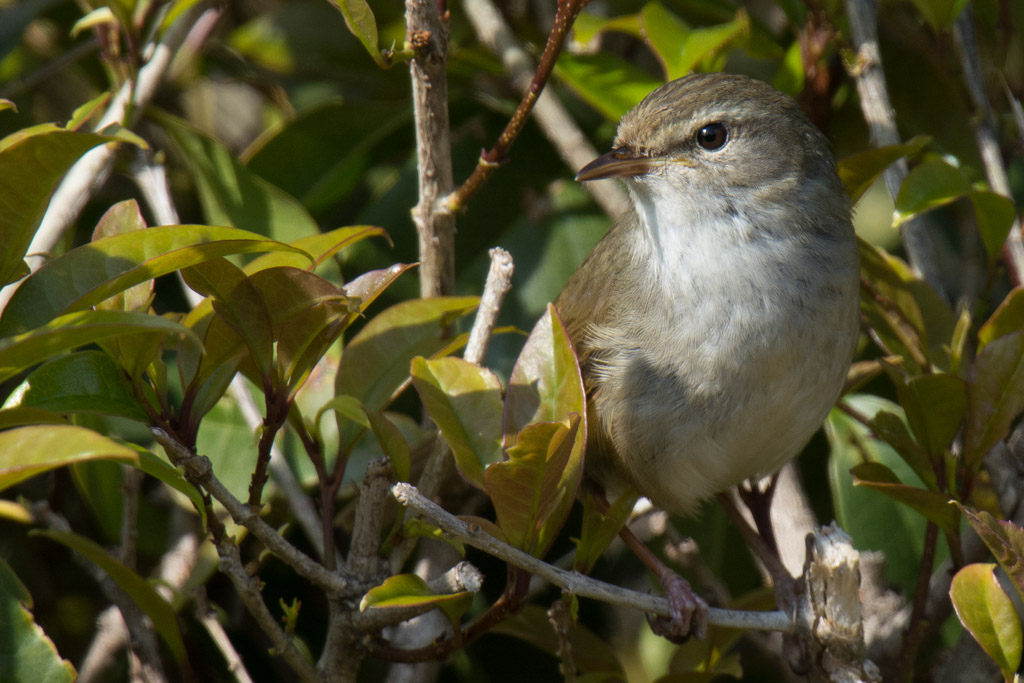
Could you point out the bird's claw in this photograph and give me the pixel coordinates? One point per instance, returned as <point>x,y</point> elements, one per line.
<point>689,613</point>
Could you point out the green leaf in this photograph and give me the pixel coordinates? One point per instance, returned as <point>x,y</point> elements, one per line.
<point>239,304</point>
<point>73,330</point>
<point>932,505</point>
<point>392,443</point>
<point>928,186</point>
<point>320,247</point>
<point>409,590</point>
<point>233,195</point>
<point>138,589</point>
<point>934,405</point>
<point>32,161</point>
<point>83,382</point>
<point>1005,540</point>
<point>987,612</point>
<point>465,401</point>
<point>905,312</point>
<point>545,385</point>
<point>608,83</point>
<point>375,364</point>
<point>876,522</point>
<point>96,271</point>
<point>588,26</point>
<point>29,654</point>
<point>1007,318</point>
<point>360,21</point>
<point>940,13</point>
<point>859,171</point>
<point>600,529</point>
<point>121,218</point>
<point>534,489</point>
<point>891,428</point>
<point>665,33</point>
<point>371,284</point>
<point>995,215</point>
<point>995,395</point>
<point>28,451</point>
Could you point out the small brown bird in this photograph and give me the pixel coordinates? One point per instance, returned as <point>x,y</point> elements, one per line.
<point>716,320</point>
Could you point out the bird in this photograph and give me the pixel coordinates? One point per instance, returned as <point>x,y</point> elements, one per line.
<point>715,321</point>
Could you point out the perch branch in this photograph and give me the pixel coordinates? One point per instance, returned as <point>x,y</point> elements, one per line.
<point>573,582</point>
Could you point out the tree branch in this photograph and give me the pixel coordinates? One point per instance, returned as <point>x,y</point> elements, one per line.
<point>552,118</point>
<point>428,36</point>
<point>881,120</point>
<point>573,582</point>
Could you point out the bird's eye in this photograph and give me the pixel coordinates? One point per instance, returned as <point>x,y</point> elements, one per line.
<point>712,136</point>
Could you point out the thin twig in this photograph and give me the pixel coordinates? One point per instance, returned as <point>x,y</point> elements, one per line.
<point>499,281</point>
<point>248,591</point>
<point>881,120</point>
<point>207,616</point>
<point>566,15</point>
<point>552,118</point>
<point>573,582</point>
<point>198,471</point>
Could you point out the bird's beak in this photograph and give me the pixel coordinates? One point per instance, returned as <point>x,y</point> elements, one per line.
<point>624,162</point>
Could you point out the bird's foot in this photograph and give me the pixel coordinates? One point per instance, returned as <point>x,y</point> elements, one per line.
<point>689,613</point>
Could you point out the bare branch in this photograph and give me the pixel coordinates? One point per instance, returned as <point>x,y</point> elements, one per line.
<point>881,120</point>
<point>574,582</point>
<point>499,281</point>
<point>428,36</point>
<point>207,616</point>
<point>249,592</point>
<point>198,471</point>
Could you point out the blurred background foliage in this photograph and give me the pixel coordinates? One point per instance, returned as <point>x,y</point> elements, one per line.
<point>276,120</point>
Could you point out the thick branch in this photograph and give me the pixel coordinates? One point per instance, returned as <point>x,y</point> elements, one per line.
<point>428,36</point>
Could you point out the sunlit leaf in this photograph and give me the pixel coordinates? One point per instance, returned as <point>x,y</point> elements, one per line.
<point>465,402</point>
<point>29,654</point>
<point>124,217</point>
<point>1005,540</point>
<point>96,271</point>
<point>375,364</point>
<point>360,21</point>
<point>73,330</point>
<point>859,171</point>
<point>320,247</point>
<point>138,589</point>
<point>31,162</point>
<point>28,451</point>
<point>928,186</point>
<point>534,488</point>
<point>987,612</point>
<point>409,590</point>
<point>608,83</point>
<point>933,505</point>
<point>84,382</point>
